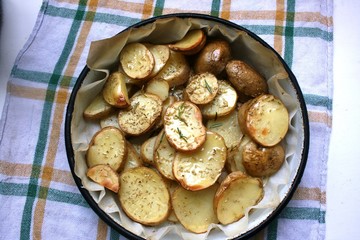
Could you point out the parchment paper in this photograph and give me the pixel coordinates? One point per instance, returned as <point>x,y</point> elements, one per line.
<point>104,58</point>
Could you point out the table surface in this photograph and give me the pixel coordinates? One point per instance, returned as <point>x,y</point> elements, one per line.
<point>343,191</point>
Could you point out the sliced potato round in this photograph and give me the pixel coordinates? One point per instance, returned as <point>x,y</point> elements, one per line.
<point>191,43</point>
<point>142,114</point>
<point>223,103</point>
<point>183,126</point>
<point>195,210</point>
<point>200,169</point>
<point>176,71</point>
<point>137,61</point>
<point>164,155</point>
<point>97,109</point>
<point>105,176</point>
<point>202,88</point>
<point>158,87</point>
<point>260,161</point>
<point>228,127</point>
<point>107,146</point>
<point>161,54</point>
<point>213,57</point>
<point>245,79</point>
<point>133,158</point>
<point>115,90</point>
<point>264,119</point>
<point>236,194</point>
<point>144,196</point>
<point>147,151</point>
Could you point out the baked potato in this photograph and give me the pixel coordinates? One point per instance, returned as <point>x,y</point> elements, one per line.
<point>195,209</point>
<point>115,91</point>
<point>236,194</point>
<point>264,119</point>
<point>105,176</point>
<point>202,88</point>
<point>107,146</point>
<point>201,168</point>
<point>183,126</point>
<point>144,196</point>
<point>245,79</point>
<point>191,43</point>
<point>213,57</point>
<point>262,161</point>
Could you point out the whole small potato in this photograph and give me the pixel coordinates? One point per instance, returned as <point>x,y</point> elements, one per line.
<point>245,79</point>
<point>213,57</point>
<point>260,161</point>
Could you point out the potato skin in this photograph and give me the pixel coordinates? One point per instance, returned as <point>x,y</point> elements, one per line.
<point>213,57</point>
<point>245,79</point>
<point>260,162</point>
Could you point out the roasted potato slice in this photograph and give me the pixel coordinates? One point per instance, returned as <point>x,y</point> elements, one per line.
<point>158,87</point>
<point>97,109</point>
<point>161,54</point>
<point>264,119</point>
<point>107,146</point>
<point>144,196</point>
<point>245,79</point>
<point>191,43</point>
<point>115,90</point>
<point>195,210</point>
<point>133,158</point>
<point>105,176</point>
<point>236,194</point>
<point>137,61</point>
<point>164,155</point>
<point>176,71</point>
<point>223,103</point>
<point>200,169</point>
<point>202,88</point>
<point>142,114</point>
<point>228,127</point>
<point>260,161</point>
<point>147,151</point>
<point>213,57</point>
<point>183,126</point>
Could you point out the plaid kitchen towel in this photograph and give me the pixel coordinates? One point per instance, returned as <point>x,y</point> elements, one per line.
<point>38,197</point>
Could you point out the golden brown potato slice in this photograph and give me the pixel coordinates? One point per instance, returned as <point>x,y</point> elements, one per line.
<point>132,158</point>
<point>158,87</point>
<point>115,90</point>
<point>147,151</point>
<point>137,61</point>
<point>144,196</point>
<point>202,88</point>
<point>200,169</point>
<point>223,103</point>
<point>260,161</point>
<point>105,176</point>
<point>264,119</point>
<point>97,109</point>
<point>164,155</point>
<point>161,54</point>
<point>236,194</point>
<point>213,57</point>
<point>195,210</point>
<point>245,79</point>
<point>142,114</point>
<point>183,126</point>
<point>176,71</point>
<point>191,43</point>
<point>107,146</point>
<point>228,127</point>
